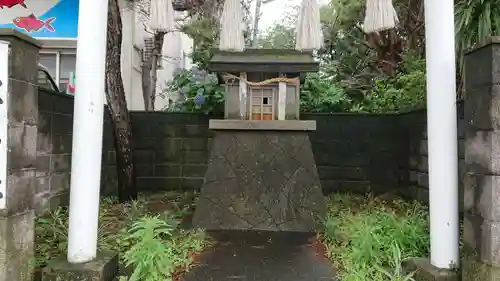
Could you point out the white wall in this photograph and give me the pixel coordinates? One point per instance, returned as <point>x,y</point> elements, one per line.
<point>127,50</point>
<point>176,46</point>
<point>133,34</point>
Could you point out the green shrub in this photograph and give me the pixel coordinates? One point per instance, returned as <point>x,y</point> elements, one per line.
<point>327,92</point>
<point>198,91</point>
<point>404,92</point>
<point>320,94</point>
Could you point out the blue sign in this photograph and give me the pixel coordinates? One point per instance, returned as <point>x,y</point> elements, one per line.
<point>41,18</point>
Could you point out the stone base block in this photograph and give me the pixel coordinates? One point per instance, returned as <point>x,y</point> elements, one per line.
<point>260,180</point>
<point>102,268</point>
<point>474,270</point>
<point>17,234</point>
<point>425,271</point>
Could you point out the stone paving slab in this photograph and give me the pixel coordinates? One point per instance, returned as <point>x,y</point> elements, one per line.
<point>261,256</point>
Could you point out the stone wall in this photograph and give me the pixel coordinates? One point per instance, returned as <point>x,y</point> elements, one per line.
<point>18,139</point>
<point>55,114</point>
<point>415,184</point>
<point>481,223</point>
<point>356,152</point>
<point>353,152</point>
<point>171,151</point>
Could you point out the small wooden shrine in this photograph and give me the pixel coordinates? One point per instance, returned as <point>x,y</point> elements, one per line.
<point>262,84</point>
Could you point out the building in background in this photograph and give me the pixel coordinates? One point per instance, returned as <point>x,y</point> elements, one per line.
<point>55,24</point>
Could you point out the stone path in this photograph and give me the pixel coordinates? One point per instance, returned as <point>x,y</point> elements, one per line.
<point>262,256</point>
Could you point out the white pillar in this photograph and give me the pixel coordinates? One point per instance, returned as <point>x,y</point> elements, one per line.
<point>4,120</point>
<point>442,132</point>
<point>281,100</point>
<point>87,131</point>
<point>243,97</point>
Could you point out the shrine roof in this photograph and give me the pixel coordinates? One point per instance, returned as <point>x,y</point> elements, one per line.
<point>263,60</point>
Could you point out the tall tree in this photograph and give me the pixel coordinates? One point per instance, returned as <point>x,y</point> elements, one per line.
<point>117,106</point>
<point>281,35</point>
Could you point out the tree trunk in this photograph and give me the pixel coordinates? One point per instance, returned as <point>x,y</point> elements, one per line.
<point>146,81</point>
<point>117,106</point>
<point>157,53</point>
<point>255,32</point>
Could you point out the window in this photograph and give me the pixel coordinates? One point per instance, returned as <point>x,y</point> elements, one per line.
<point>44,81</point>
<point>68,65</point>
<point>49,61</point>
<point>262,103</point>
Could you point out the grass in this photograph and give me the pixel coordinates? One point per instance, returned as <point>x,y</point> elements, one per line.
<point>368,238</point>
<point>142,232</point>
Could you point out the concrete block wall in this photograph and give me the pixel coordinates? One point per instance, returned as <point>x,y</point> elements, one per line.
<point>171,151</point>
<point>55,114</point>
<point>19,54</point>
<point>413,131</point>
<point>481,247</point>
<point>356,153</point>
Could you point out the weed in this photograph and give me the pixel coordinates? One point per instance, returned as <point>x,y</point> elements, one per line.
<point>51,235</point>
<point>159,248</point>
<point>153,245</point>
<point>367,238</point>
<point>151,258</point>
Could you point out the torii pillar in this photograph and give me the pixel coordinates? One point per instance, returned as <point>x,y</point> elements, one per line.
<point>83,263</point>
<point>442,143</point>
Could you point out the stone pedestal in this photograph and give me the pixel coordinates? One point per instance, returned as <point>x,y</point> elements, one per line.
<point>482,156</point>
<point>261,176</point>
<point>103,268</point>
<point>425,271</point>
<point>17,217</point>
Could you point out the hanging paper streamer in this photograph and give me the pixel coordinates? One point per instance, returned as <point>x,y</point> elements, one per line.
<point>380,15</point>
<point>162,16</point>
<point>309,35</point>
<point>231,35</point>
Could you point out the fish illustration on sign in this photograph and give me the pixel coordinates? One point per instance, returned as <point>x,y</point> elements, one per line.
<point>32,23</point>
<point>12,3</point>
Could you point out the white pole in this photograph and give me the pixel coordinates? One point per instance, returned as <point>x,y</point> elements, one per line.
<point>4,120</point>
<point>442,132</point>
<point>87,131</point>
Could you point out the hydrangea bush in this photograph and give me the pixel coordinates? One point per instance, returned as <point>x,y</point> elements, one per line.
<point>198,90</point>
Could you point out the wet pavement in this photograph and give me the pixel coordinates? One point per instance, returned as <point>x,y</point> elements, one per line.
<point>262,256</point>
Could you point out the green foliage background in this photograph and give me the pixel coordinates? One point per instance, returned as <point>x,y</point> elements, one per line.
<point>360,72</point>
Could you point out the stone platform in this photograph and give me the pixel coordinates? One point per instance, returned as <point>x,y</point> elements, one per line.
<point>262,256</point>
<point>261,176</point>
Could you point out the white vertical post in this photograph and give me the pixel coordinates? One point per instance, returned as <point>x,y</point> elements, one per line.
<point>442,132</point>
<point>58,69</point>
<point>281,100</point>
<point>4,121</point>
<point>243,95</point>
<point>87,131</point>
